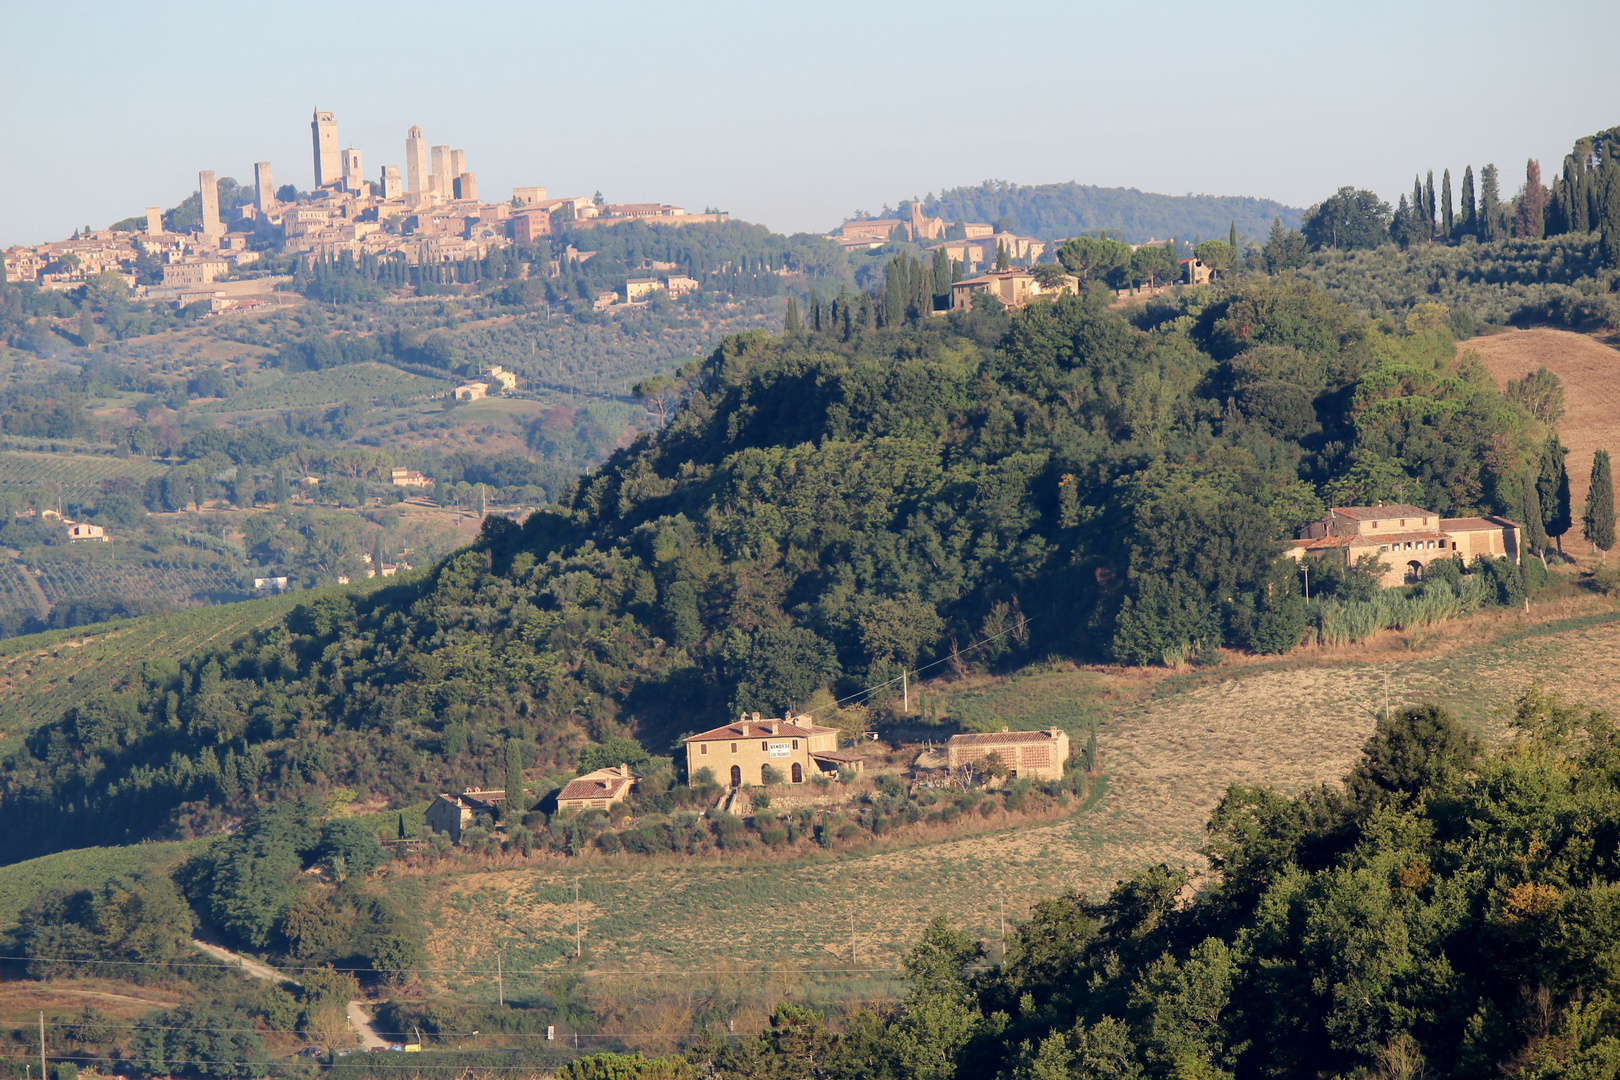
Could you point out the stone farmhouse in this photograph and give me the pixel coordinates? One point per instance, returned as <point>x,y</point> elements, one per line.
<point>1014,288</point>
<point>1034,755</point>
<point>739,753</point>
<point>1407,538</point>
<point>597,790</point>
<point>452,813</point>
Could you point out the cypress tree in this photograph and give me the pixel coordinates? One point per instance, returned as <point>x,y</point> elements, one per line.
<point>1001,255</point>
<point>1490,202</point>
<point>1597,521</point>
<point>1417,197</point>
<point>516,802</point>
<point>1608,217</point>
<point>377,554</point>
<point>1552,488</point>
<point>1470,218</point>
<point>1535,529</point>
<point>280,489</point>
<point>1576,219</point>
<point>942,274</point>
<point>481,513</point>
<point>815,311</point>
<point>790,320</point>
<point>1446,218</point>
<point>1428,202</point>
<point>1529,220</point>
<point>1231,237</point>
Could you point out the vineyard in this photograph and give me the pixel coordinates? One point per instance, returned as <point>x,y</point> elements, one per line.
<point>15,592</point>
<point>308,389</point>
<point>43,675</point>
<point>78,476</point>
<point>70,579</point>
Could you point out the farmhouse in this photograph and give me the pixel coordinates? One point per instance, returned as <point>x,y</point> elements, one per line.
<point>797,748</point>
<point>1037,755</point>
<point>471,391</point>
<point>597,790</point>
<point>81,530</point>
<point>453,813</point>
<point>1406,538</point>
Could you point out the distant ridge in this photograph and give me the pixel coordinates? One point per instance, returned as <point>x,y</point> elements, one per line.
<point>1049,211</point>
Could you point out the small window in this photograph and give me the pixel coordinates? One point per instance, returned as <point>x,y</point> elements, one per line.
<point>1442,543</point>
<point>703,748</point>
<point>795,744</point>
<point>763,745</point>
<point>1403,523</point>
<point>733,748</point>
<point>1383,547</point>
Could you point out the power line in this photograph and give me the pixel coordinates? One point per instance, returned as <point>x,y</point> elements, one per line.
<point>536,972</point>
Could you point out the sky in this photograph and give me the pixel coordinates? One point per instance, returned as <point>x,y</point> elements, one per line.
<point>792,115</point>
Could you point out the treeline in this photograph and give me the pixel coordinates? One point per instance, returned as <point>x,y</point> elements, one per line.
<point>1055,211</point>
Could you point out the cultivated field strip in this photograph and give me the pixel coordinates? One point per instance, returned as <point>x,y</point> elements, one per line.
<point>78,476</point>
<point>38,682</point>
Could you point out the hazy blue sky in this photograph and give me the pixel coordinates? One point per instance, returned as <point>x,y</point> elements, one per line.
<point>791,114</point>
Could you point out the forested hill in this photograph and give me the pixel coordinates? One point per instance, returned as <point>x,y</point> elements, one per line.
<point>827,507</point>
<point>1049,211</point>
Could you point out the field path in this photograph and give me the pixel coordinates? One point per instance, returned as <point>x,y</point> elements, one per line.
<point>1590,372</point>
<point>358,1017</point>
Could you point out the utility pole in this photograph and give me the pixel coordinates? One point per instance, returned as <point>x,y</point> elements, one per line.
<point>905,692</point>
<point>500,979</point>
<point>851,940</point>
<point>576,930</point>
<point>1001,904</point>
<point>42,1073</point>
<point>1307,584</point>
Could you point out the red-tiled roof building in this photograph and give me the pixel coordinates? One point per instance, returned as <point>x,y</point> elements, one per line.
<point>739,753</point>
<point>1037,755</point>
<point>1407,538</point>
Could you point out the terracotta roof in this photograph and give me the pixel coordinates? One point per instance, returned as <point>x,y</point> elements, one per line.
<point>1000,738</point>
<point>1379,513</point>
<point>761,729</point>
<point>1476,524</point>
<point>593,787</point>
<point>837,755</point>
<point>475,800</point>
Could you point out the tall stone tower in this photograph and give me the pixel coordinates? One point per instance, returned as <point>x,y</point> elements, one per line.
<point>458,163</point>
<point>390,182</point>
<point>209,187</point>
<point>354,174</point>
<point>154,221</point>
<point>328,169</point>
<point>441,171</point>
<point>416,160</point>
<point>264,187</point>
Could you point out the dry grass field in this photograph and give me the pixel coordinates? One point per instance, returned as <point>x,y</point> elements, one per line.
<point>1590,372</point>
<point>1170,746</point>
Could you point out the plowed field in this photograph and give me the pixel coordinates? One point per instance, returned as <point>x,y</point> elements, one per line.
<point>1590,372</point>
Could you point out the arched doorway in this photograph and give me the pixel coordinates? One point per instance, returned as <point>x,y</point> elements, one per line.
<point>798,773</point>
<point>1414,572</point>
<point>736,776</point>
<point>765,775</point>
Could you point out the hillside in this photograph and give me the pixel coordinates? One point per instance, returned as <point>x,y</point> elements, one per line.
<point>1051,211</point>
<point>826,511</point>
<point>1590,372</point>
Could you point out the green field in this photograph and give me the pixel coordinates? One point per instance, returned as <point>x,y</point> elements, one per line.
<point>78,475</point>
<point>307,389</point>
<point>21,882</point>
<point>42,675</point>
<point>66,580</point>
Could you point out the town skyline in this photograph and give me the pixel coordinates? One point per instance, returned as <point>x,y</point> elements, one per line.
<point>806,127</point>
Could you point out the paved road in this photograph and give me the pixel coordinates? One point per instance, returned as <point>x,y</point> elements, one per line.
<point>359,1018</point>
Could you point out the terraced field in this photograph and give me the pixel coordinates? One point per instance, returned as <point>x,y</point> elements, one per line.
<point>308,389</point>
<point>43,674</point>
<point>79,476</point>
<point>67,580</point>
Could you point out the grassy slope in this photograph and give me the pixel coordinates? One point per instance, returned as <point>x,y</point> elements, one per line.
<point>1171,744</point>
<point>1590,372</point>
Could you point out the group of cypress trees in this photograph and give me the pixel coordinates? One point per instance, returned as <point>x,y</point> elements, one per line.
<point>1546,507</point>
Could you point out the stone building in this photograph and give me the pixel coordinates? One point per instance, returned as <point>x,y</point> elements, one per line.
<point>1406,538</point>
<point>451,814</point>
<point>1014,288</point>
<point>1034,755</point>
<point>597,790</point>
<point>739,753</point>
<point>416,161</point>
<point>324,133</point>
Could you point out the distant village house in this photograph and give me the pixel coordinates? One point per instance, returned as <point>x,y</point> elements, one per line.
<point>451,814</point>
<point>597,790</point>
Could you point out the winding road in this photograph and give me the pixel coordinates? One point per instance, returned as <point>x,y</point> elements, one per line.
<point>359,1018</point>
